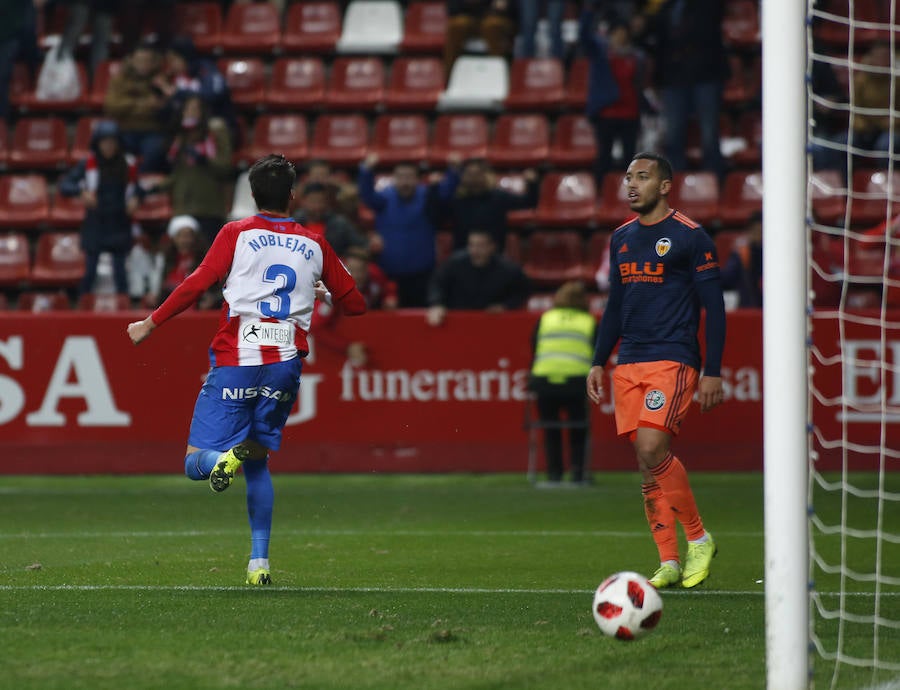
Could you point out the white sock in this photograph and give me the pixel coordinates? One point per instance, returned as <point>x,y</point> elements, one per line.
<point>701,540</point>
<point>257,563</point>
<point>674,564</point>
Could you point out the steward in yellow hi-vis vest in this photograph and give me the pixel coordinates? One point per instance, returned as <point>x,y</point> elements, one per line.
<point>563,351</point>
<point>565,344</point>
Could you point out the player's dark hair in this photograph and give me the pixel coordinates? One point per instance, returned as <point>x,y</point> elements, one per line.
<point>271,181</point>
<point>662,163</point>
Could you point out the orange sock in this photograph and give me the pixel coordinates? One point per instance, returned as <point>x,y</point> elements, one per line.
<point>662,522</point>
<point>673,480</point>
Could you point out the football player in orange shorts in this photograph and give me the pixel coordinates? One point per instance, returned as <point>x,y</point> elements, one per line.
<point>663,271</point>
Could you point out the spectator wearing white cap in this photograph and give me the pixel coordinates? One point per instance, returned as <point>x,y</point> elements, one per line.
<point>185,250</point>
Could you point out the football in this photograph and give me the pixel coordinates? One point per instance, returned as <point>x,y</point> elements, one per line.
<point>627,606</point>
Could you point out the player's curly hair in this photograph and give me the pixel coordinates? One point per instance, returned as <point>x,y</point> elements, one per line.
<point>272,181</point>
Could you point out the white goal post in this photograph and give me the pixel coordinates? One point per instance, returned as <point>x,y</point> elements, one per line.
<point>784,337</point>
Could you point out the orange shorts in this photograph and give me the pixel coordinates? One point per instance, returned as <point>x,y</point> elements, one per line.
<point>653,394</point>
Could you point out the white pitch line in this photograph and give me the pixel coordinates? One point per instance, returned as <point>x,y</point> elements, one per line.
<point>355,533</point>
<point>385,590</point>
<point>320,590</point>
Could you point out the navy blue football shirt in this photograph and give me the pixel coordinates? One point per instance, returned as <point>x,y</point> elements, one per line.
<point>660,276</point>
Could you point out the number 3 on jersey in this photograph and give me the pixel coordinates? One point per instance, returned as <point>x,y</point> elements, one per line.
<point>280,307</point>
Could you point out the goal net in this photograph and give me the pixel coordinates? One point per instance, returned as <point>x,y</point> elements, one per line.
<point>853,259</point>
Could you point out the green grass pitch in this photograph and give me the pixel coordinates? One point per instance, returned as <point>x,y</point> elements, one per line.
<point>425,582</point>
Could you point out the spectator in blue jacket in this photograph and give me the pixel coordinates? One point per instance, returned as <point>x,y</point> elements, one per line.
<point>407,214</point>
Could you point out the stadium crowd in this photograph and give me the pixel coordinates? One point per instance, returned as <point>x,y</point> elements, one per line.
<point>163,113</point>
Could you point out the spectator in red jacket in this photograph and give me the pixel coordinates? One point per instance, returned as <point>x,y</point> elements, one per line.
<point>617,75</point>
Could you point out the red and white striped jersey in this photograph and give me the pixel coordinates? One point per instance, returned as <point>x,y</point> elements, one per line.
<point>269,267</point>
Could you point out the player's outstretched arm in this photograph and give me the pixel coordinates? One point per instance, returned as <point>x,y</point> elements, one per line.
<point>353,303</point>
<point>138,331</point>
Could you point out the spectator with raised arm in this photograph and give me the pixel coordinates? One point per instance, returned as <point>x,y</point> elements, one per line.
<point>187,74</point>
<point>200,158</point>
<point>479,204</point>
<point>407,214</point>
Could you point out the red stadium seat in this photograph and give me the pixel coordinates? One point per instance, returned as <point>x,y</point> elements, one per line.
<point>246,80</point>
<point>156,207</point>
<point>106,70</point>
<point>694,139</point>
<point>15,261</point>
<point>23,201</point>
<point>725,241</point>
<point>58,260</point>
<point>43,301</point>
<point>66,211</point>
<point>696,195</point>
<point>104,303</point>
<point>566,200</point>
<point>356,83</point>
<point>516,183</point>
<point>20,86</point>
<point>285,134</point>
<point>340,139</point>
<point>252,28</point>
<point>612,208</point>
<point>740,25</point>
<point>828,196</point>
<point>749,129</point>
<point>424,27</point>
<point>519,141</point>
<point>400,138</point>
<point>536,84</point>
<point>512,249</point>
<point>297,83</point>
<point>597,246</point>
<point>39,143</point>
<point>464,135</point>
<point>203,22</point>
<point>574,144</point>
<point>741,197</point>
<point>415,83</point>
<point>870,195</point>
<point>577,84</point>
<point>554,257</point>
<point>4,144</point>
<point>312,27</point>
<point>81,144</point>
